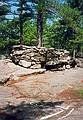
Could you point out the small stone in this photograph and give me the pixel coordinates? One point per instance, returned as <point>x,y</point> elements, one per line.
<point>51,63</point>
<point>13,77</point>
<point>33,59</point>
<point>33,63</point>
<point>64,67</point>
<point>68,66</point>
<point>27,51</point>
<point>42,59</point>
<point>31,54</point>
<point>23,56</point>
<point>51,48</point>
<point>28,57</point>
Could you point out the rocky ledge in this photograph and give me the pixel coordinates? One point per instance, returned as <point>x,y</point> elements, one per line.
<point>10,71</point>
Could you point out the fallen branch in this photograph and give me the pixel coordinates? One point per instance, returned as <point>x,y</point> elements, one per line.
<point>59,115</point>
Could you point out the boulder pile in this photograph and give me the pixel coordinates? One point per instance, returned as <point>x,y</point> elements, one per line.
<point>34,57</point>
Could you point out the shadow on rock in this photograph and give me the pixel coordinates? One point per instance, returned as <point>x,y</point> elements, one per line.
<point>30,111</point>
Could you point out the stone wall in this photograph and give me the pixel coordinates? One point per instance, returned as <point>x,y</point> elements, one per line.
<point>33,57</point>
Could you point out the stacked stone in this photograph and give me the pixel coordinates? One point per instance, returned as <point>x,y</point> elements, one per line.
<point>34,57</point>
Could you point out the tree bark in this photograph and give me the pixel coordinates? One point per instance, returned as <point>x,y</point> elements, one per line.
<point>40,28</point>
<point>21,31</point>
<point>21,23</point>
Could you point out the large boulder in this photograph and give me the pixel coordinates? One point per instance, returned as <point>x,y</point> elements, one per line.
<point>25,64</point>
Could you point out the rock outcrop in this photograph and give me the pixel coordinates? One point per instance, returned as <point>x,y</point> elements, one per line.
<point>10,71</point>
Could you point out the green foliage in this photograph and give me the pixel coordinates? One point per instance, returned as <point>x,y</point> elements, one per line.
<point>30,33</point>
<point>76,4</point>
<point>4,9</point>
<point>9,33</point>
<point>64,32</point>
<point>80,92</point>
<point>67,31</point>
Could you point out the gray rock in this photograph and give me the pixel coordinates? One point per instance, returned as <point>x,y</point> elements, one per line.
<point>68,66</point>
<point>33,59</point>
<point>51,49</point>
<point>10,71</point>
<point>23,72</point>
<point>27,51</point>
<point>33,63</point>
<point>42,59</point>
<point>51,63</point>
<point>20,52</point>
<point>64,67</point>
<point>36,66</point>
<point>2,57</point>
<point>15,59</point>
<point>79,62</point>
<point>35,54</point>
<point>4,78</point>
<point>13,77</point>
<point>66,52</point>
<point>27,57</point>
<point>24,63</point>
<point>32,54</point>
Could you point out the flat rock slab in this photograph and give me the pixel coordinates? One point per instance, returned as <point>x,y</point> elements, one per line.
<point>9,70</point>
<point>38,87</point>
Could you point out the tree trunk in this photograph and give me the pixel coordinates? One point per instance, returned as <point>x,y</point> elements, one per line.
<point>21,23</point>
<point>40,28</point>
<point>21,31</point>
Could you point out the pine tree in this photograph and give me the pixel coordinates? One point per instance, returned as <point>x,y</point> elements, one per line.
<point>76,4</point>
<point>4,9</point>
<point>23,11</point>
<point>43,7</point>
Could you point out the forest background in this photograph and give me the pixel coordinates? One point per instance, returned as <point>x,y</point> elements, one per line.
<point>42,23</point>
